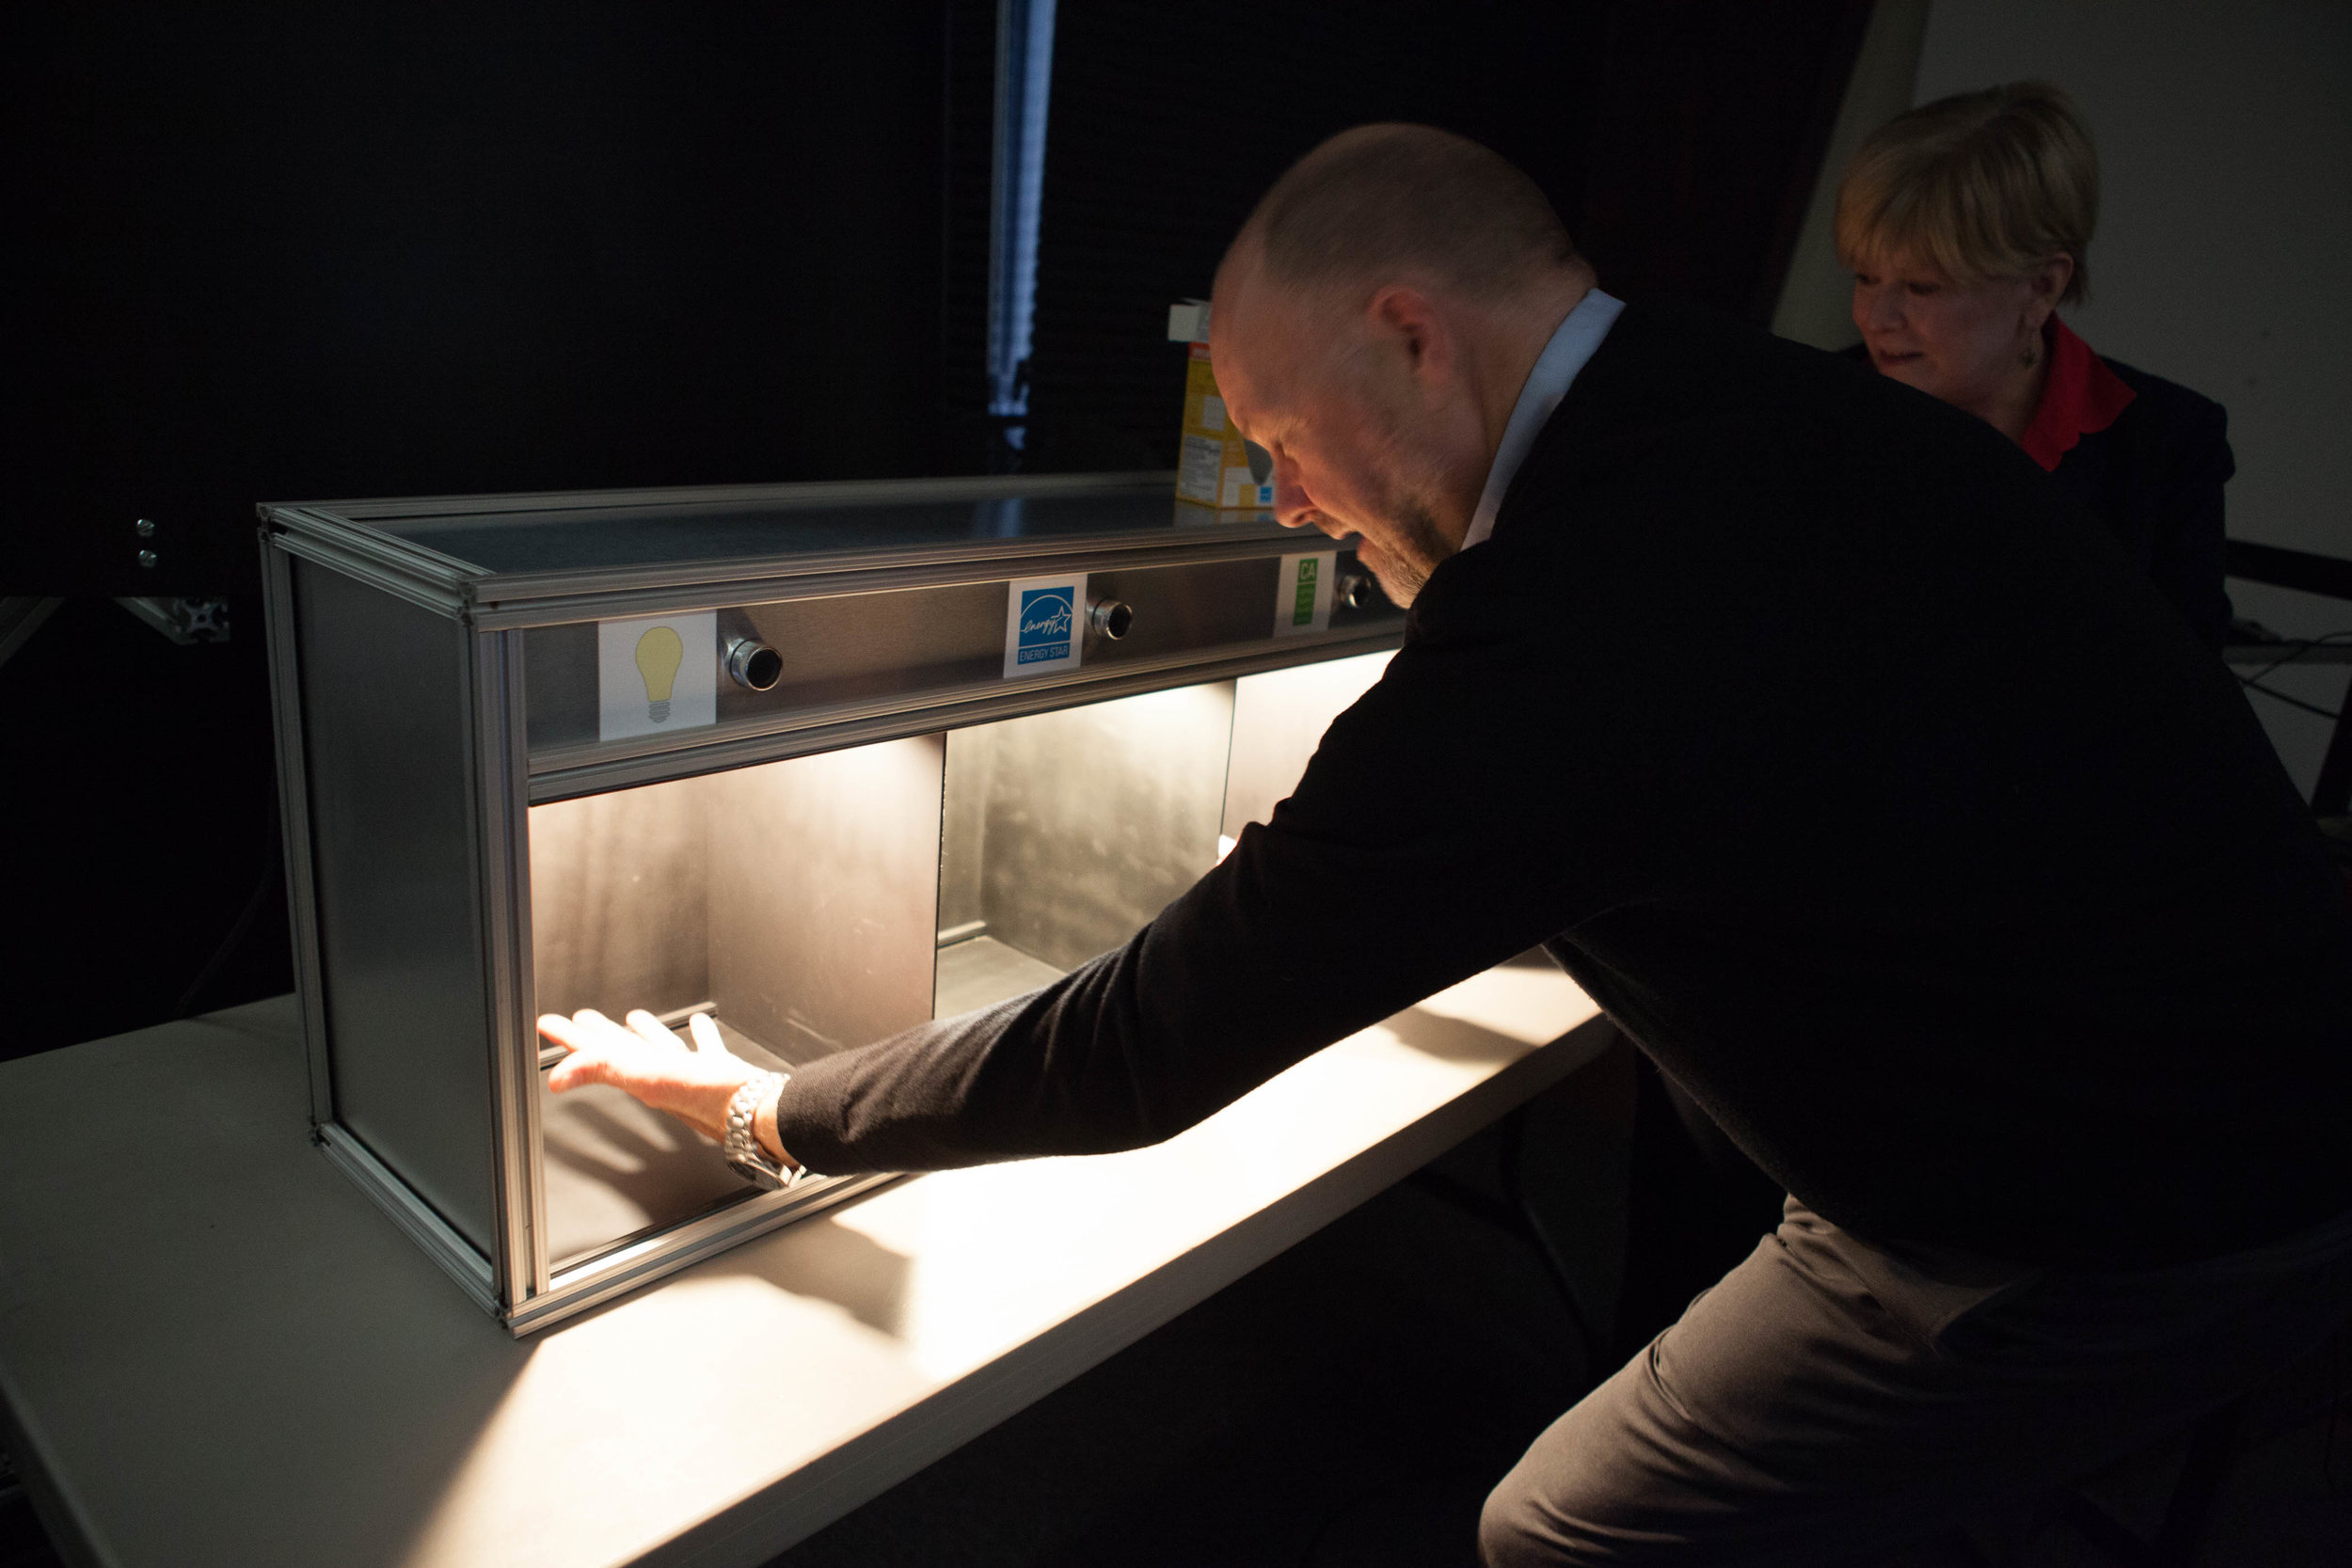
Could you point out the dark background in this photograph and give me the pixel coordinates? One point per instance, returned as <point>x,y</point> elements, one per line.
<point>285,252</point>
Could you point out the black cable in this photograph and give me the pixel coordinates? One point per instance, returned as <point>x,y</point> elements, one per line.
<point>263,885</point>
<point>2251,684</point>
<point>2302,646</point>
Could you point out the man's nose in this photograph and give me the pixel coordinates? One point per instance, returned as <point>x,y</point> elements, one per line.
<point>1292,506</point>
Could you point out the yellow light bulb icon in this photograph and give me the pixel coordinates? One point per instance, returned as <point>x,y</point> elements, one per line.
<point>660,651</point>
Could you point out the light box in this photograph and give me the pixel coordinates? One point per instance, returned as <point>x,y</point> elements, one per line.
<point>824,761</point>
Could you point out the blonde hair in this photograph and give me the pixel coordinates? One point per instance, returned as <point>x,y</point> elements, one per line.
<point>1982,184</point>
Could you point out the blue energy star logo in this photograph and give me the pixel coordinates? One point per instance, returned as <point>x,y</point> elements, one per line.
<point>1045,622</point>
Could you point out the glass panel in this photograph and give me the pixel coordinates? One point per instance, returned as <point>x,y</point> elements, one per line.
<point>1065,832</point>
<point>795,900</point>
<point>694,528</point>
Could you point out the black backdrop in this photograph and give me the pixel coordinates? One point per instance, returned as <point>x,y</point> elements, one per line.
<point>1678,137</point>
<point>283,250</point>
<point>279,251</point>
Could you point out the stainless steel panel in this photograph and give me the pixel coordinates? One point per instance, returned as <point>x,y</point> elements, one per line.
<point>969,783</point>
<point>1279,720</point>
<point>824,877</point>
<point>838,650</point>
<point>1185,609</point>
<point>766,887</point>
<point>849,650</point>
<point>620,900</point>
<point>797,897</point>
<point>851,647</point>
<point>567,775</point>
<point>390,770</point>
<point>1092,818</point>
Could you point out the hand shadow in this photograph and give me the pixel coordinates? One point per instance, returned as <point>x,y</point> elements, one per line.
<point>615,1167</point>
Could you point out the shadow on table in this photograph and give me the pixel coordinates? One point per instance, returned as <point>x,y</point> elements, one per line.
<point>822,1258</point>
<point>1453,1039</point>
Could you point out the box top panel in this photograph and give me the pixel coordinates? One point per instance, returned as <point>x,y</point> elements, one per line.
<point>472,539</point>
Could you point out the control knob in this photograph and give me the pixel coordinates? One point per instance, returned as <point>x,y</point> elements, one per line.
<point>752,664</point>
<point>1111,618</point>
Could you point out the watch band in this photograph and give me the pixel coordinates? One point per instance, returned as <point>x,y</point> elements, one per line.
<point>742,1147</point>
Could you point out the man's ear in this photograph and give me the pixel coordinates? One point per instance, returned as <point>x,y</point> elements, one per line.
<point>1407,317</point>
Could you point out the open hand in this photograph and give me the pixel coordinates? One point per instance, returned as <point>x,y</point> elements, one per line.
<point>651,1064</point>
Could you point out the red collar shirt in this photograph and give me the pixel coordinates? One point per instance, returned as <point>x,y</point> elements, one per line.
<point>2081,396</point>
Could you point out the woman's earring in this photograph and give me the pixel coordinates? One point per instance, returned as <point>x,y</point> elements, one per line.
<point>2032,354</point>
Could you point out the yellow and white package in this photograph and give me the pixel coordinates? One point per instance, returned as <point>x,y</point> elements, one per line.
<point>1218,467</point>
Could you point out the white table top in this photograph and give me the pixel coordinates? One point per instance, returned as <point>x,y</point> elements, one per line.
<point>223,1354</point>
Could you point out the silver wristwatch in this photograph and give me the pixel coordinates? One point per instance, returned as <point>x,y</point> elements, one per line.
<point>743,1153</point>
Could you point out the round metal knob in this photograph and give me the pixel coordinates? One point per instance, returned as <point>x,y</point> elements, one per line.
<point>1355,590</point>
<point>753,664</point>
<point>1111,617</point>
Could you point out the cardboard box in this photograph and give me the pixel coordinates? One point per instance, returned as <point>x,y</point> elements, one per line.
<point>1215,467</point>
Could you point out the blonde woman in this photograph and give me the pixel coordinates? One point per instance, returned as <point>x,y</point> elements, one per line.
<point>1966,223</point>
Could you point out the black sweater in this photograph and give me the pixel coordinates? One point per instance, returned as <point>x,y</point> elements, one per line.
<point>1865,782</point>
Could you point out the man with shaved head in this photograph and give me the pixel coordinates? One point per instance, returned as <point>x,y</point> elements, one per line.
<point>1865,782</point>
<point>1479,272</point>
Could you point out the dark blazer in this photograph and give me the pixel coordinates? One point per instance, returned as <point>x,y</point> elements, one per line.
<point>1865,782</point>
<point>2154,478</point>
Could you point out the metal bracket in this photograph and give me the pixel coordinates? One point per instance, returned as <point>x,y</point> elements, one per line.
<point>183,621</point>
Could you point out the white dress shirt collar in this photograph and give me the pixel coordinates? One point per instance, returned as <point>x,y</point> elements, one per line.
<point>1572,344</point>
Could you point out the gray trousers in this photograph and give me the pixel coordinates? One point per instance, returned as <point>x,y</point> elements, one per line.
<point>1830,1402</point>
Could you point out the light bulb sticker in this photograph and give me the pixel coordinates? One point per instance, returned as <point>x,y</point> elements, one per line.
<point>660,651</point>
<point>656,674</point>
<point>1045,623</point>
<point>1302,593</point>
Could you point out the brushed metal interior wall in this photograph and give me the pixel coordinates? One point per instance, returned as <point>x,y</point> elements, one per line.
<point>1090,819</point>
<point>1279,720</point>
<point>823,894</point>
<point>971,777</point>
<point>620,900</point>
<point>387,762</point>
